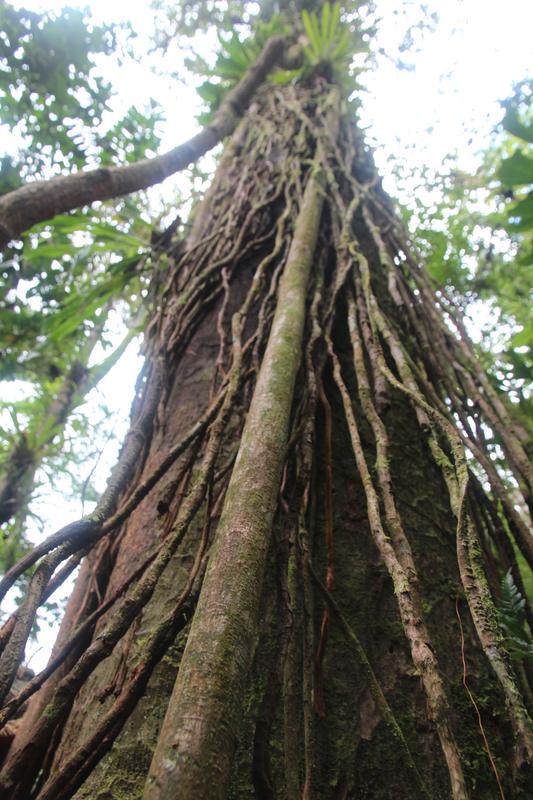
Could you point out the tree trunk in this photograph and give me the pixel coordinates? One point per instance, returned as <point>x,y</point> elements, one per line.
<point>344,642</point>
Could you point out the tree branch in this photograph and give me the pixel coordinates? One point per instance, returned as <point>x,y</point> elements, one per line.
<point>41,200</point>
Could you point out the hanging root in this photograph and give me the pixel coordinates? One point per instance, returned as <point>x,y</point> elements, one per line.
<point>373,683</point>
<point>456,476</point>
<point>279,288</point>
<point>476,707</point>
<point>328,536</point>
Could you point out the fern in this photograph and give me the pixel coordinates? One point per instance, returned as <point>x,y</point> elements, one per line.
<point>511,611</point>
<point>335,42</point>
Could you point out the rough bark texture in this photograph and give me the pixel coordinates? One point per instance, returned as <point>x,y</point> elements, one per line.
<point>325,654</point>
<point>195,749</point>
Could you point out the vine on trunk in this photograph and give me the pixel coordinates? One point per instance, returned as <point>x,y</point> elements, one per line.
<point>313,284</point>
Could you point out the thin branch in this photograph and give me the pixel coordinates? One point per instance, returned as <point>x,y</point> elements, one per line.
<point>41,200</point>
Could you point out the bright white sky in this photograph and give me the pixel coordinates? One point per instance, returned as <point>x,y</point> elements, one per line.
<point>447,103</point>
<point>461,72</point>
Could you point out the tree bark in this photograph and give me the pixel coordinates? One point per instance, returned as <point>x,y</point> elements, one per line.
<point>227,613</point>
<point>257,680</point>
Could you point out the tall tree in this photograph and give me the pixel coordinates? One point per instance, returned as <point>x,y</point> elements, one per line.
<point>296,584</point>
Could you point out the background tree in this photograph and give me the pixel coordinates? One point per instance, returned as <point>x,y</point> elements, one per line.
<point>63,287</point>
<point>294,564</point>
<point>476,241</point>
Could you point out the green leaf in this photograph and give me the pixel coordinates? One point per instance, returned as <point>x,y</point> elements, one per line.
<point>311,55</point>
<point>516,170</point>
<point>82,306</point>
<point>513,619</point>
<point>211,92</point>
<point>311,28</point>
<point>523,337</point>
<point>525,258</point>
<point>282,77</point>
<point>51,251</point>
<point>344,46</point>
<point>334,22</point>
<point>519,226</point>
<point>110,233</point>
<point>237,53</point>
<point>69,222</point>
<point>316,30</point>
<point>524,210</point>
<point>513,124</point>
<point>326,14</point>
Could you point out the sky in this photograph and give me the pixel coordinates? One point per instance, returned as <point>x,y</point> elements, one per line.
<point>446,101</point>
<point>451,100</point>
<point>461,72</point>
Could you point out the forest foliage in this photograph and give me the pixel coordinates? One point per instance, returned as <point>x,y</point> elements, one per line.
<point>61,286</point>
<point>477,241</point>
